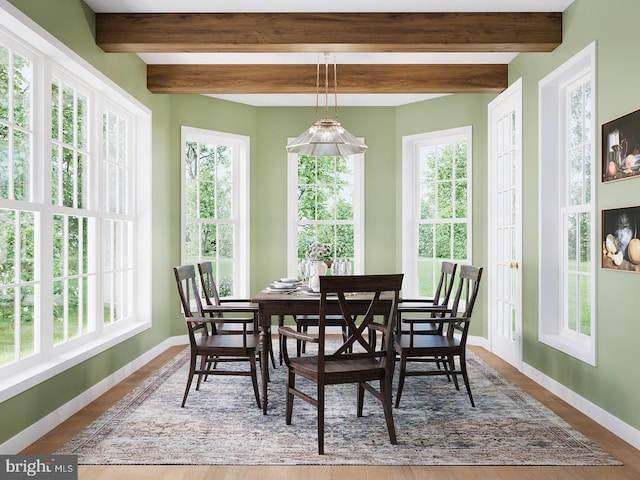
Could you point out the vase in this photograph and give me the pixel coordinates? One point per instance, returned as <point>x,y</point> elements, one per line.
<point>317,268</point>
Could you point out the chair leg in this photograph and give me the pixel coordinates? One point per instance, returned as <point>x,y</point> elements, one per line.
<point>254,379</point>
<point>203,363</point>
<point>320,420</point>
<point>360,396</point>
<point>452,367</point>
<point>291,384</point>
<point>465,377</point>
<point>403,370</point>
<point>192,368</point>
<point>273,359</point>
<point>385,397</point>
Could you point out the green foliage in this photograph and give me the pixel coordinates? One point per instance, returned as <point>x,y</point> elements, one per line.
<point>325,204</point>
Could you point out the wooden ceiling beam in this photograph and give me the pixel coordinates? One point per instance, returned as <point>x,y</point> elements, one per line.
<point>295,78</point>
<point>329,32</point>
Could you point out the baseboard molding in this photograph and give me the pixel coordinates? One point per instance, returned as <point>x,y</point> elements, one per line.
<point>32,433</point>
<point>44,425</point>
<point>612,423</point>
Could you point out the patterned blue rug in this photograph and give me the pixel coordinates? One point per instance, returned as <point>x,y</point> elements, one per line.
<point>435,424</point>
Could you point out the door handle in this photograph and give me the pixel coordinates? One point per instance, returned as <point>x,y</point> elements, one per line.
<point>513,265</point>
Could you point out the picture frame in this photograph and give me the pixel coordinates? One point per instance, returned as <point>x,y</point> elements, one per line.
<point>621,147</point>
<point>620,242</point>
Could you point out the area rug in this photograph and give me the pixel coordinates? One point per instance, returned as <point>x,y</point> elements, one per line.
<point>435,424</point>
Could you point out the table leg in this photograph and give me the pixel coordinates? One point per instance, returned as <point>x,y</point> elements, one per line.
<point>263,347</point>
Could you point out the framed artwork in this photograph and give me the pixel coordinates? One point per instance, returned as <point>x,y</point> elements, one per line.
<point>621,147</point>
<point>620,242</point>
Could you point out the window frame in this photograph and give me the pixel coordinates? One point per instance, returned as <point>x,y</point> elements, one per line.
<point>411,198</point>
<point>292,213</point>
<point>552,194</point>
<point>240,200</point>
<point>51,57</point>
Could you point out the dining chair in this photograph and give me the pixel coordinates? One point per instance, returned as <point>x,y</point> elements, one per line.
<point>365,355</point>
<point>413,311</point>
<point>206,343</point>
<point>221,307</point>
<point>442,348</point>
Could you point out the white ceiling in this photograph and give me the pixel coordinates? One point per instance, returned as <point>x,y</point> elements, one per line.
<point>228,6</point>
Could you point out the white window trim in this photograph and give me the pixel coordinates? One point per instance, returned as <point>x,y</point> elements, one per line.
<point>551,148</point>
<point>241,199</point>
<point>292,213</point>
<point>410,192</point>
<point>51,53</point>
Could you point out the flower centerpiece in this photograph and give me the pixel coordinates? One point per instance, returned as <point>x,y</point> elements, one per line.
<point>318,254</point>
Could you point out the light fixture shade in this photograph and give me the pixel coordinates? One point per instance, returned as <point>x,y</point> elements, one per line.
<point>326,138</point>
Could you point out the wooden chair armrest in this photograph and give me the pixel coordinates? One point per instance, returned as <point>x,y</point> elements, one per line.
<point>416,300</point>
<point>291,333</point>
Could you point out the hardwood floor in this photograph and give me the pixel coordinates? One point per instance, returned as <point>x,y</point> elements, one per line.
<point>623,451</point>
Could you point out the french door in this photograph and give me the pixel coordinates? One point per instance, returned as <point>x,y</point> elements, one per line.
<point>505,233</point>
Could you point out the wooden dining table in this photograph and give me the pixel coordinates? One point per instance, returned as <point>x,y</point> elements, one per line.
<point>300,302</point>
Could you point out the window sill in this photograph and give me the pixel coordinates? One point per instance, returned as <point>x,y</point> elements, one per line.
<point>582,349</point>
<point>20,381</point>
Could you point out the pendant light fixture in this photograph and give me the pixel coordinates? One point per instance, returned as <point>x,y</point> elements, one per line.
<point>326,137</point>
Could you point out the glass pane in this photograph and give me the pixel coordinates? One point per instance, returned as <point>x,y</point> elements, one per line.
<point>585,306</point>
<point>68,178</point>
<point>7,325</point>
<point>82,121</point>
<point>224,172</point>
<point>22,91</point>
<point>461,160</point>
<point>59,317</point>
<point>4,82</point>
<point>206,162</point>
<point>68,111</point>
<point>427,277</point>
<point>207,200</point>
<point>572,235</point>
<point>191,199</point>
<point>27,247</point>
<point>225,241</point>
<point>461,200</point>
<point>445,162</point>
<point>21,166</point>
<point>224,201</point>
<point>306,203</point>
<point>344,207</point>
<point>209,245</point>
<point>326,205</point>
<point>427,164</point>
<point>443,241</point>
<point>55,110</point>
<point>192,243</point>
<point>572,311</point>
<point>460,241</point>
<point>585,242</point>
<point>345,246</point>
<point>326,170</point>
<point>426,240</point>
<point>427,201</point>
<point>75,307</point>
<point>5,170</point>
<point>59,253</point>
<point>445,200</point>
<point>27,321</point>
<point>306,170</point>
<point>7,247</point>
<point>191,160</point>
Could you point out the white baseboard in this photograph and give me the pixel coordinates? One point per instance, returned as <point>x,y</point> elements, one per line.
<point>619,428</point>
<point>29,435</point>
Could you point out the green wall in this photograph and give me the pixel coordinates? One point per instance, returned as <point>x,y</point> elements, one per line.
<point>611,384</point>
<point>607,385</point>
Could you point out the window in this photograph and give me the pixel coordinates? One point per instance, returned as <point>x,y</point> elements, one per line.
<point>215,205</point>
<point>72,245</point>
<point>436,206</point>
<point>326,204</point>
<point>567,207</point>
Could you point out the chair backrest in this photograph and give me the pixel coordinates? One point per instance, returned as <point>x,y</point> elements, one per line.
<point>465,297</point>
<point>209,287</point>
<point>190,298</point>
<point>447,279</point>
<point>378,296</point>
